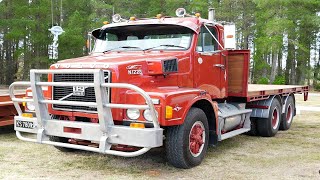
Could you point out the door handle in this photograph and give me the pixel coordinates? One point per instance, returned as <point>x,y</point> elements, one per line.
<point>219,66</point>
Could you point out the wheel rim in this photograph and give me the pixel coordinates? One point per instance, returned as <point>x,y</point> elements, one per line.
<point>197,138</point>
<point>275,118</point>
<point>289,114</point>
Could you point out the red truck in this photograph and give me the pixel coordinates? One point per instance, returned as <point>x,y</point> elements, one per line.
<point>176,82</point>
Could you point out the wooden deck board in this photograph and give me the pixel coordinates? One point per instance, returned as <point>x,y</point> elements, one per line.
<point>262,89</point>
<point>5,92</point>
<point>265,87</point>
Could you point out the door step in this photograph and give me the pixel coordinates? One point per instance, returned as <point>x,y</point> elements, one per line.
<point>234,133</point>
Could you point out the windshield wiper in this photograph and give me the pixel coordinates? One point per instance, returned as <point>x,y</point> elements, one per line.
<point>166,45</point>
<point>123,47</point>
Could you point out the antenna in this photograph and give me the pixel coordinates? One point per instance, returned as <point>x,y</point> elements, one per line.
<point>56,31</point>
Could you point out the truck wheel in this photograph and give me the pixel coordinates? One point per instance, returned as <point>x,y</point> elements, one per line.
<point>186,145</point>
<point>253,127</point>
<point>63,140</point>
<point>288,114</point>
<point>269,127</point>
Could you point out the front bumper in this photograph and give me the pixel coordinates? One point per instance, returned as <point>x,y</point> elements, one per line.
<point>106,133</point>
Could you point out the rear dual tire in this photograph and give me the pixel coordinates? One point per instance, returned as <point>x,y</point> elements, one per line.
<point>253,127</point>
<point>287,117</point>
<point>269,127</point>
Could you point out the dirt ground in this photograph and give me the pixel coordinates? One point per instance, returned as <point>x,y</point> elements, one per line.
<point>292,154</point>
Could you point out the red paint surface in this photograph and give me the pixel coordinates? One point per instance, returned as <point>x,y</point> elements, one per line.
<point>274,117</point>
<point>72,130</point>
<point>196,139</point>
<point>7,109</point>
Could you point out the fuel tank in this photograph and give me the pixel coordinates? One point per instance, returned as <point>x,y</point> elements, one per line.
<point>229,116</point>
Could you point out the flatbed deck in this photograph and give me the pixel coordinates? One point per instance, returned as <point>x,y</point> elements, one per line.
<point>7,110</point>
<point>4,92</point>
<point>263,91</point>
<point>5,97</point>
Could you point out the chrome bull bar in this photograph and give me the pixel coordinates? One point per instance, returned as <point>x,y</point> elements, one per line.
<point>106,132</point>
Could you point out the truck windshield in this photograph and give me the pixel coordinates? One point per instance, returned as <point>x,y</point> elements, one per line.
<point>143,37</point>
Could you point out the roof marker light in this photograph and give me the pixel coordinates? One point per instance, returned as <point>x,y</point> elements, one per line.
<point>132,18</point>
<point>159,16</point>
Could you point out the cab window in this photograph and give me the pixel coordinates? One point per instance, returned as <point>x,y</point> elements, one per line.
<point>206,42</point>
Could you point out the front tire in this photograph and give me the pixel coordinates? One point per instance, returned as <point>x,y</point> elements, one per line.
<point>269,127</point>
<point>186,145</point>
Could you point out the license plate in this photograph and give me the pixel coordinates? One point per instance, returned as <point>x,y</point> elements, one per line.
<point>24,124</point>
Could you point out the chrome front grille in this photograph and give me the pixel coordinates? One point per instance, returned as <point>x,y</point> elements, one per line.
<point>67,93</point>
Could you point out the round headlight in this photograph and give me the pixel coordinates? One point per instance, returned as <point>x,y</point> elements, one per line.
<point>147,115</point>
<point>133,113</point>
<point>31,106</point>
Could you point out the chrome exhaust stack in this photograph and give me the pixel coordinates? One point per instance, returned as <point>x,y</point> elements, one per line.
<point>211,14</point>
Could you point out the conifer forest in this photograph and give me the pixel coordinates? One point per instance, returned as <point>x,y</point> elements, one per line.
<point>283,35</point>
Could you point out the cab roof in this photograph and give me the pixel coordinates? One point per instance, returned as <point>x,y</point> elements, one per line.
<point>192,23</point>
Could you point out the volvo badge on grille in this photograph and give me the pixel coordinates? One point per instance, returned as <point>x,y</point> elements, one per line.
<point>79,90</point>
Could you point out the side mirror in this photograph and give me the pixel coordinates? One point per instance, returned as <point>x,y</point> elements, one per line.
<point>230,36</point>
<point>95,33</point>
<point>89,42</point>
<point>91,38</point>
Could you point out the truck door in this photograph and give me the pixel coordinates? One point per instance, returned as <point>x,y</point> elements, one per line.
<point>209,66</point>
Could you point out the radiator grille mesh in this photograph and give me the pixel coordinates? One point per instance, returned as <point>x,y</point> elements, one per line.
<point>66,93</point>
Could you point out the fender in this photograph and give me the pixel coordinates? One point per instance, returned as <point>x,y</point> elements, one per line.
<point>284,100</point>
<point>179,99</point>
<point>261,109</point>
<point>180,103</point>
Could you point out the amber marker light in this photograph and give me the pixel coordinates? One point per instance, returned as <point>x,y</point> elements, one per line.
<point>105,22</point>
<point>137,125</point>
<point>197,15</point>
<point>27,115</point>
<point>132,18</point>
<point>87,43</point>
<point>159,16</point>
<point>168,112</point>
<point>24,103</point>
<point>229,36</point>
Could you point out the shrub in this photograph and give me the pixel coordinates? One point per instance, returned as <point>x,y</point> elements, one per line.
<point>279,80</point>
<point>263,80</point>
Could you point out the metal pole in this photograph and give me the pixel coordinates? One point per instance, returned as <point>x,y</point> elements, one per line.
<point>52,12</point>
<point>61,13</point>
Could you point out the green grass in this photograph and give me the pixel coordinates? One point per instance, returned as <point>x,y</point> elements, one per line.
<point>312,101</point>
